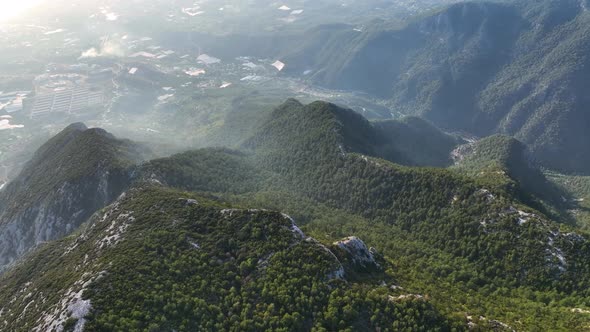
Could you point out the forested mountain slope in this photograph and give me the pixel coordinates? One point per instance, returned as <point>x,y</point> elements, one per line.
<point>324,152</point>
<point>519,68</point>
<point>471,249</point>
<point>413,141</point>
<point>410,141</point>
<point>306,163</point>
<point>70,177</point>
<point>504,162</point>
<point>159,259</point>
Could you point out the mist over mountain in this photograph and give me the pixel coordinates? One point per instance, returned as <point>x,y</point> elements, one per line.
<point>512,68</point>
<point>70,177</point>
<point>313,157</point>
<point>297,166</point>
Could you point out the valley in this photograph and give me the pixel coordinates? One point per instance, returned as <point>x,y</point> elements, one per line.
<point>295,166</point>
<point>479,224</point>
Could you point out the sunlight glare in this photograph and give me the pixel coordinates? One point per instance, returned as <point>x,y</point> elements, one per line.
<point>12,8</point>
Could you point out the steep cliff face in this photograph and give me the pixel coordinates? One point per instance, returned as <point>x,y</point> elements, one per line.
<point>69,178</point>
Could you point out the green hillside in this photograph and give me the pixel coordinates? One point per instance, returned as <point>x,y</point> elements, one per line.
<point>578,195</point>
<point>503,161</point>
<point>160,259</point>
<point>518,68</point>
<point>441,185</point>
<point>410,141</point>
<point>75,173</point>
<point>413,141</point>
<point>72,155</point>
<point>451,251</point>
<point>453,238</point>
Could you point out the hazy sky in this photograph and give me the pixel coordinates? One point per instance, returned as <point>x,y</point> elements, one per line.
<point>11,8</point>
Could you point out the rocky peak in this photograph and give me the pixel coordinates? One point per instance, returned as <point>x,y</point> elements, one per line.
<point>358,254</point>
<point>74,174</point>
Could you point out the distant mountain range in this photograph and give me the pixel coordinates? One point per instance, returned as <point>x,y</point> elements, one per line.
<point>518,68</point>
<point>312,217</point>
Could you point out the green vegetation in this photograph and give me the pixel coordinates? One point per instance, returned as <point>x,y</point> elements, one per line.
<point>413,141</point>
<point>74,155</point>
<point>502,162</point>
<point>472,238</point>
<point>213,170</point>
<point>511,67</point>
<point>75,173</point>
<point>578,193</point>
<point>460,249</point>
<point>195,244</point>
<point>187,263</point>
<point>410,141</point>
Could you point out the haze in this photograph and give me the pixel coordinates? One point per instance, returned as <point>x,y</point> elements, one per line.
<point>12,9</point>
<point>427,162</point>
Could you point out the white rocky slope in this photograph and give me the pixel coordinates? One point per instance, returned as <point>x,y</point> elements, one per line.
<point>52,297</point>
<point>53,216</point>
<point>74,174</point>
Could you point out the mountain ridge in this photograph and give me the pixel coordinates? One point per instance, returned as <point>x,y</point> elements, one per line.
<point>486,68</point>
<point>75,173</point>
<point>456,242</point>
<point>235,263</point>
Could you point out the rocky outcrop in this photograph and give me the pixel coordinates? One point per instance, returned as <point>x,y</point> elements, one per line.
<point>53,295</point>
<point>73,175</point>
<point>57,215</point>
<point>358,256</point>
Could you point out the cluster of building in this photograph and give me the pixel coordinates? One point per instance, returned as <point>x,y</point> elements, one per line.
<point>69,101</point>
<point>67,89</point>
<point>12,102</point>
